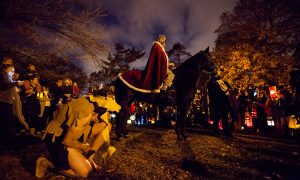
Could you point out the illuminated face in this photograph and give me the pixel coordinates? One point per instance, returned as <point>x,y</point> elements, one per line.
<point>31,67</point>
<point>59,83</point>
<point>67,83</point>
<point>162,41</point>
<point>35,80</point>
<point>8,61</point>
<point>220,70</point>
<point>44,88</point>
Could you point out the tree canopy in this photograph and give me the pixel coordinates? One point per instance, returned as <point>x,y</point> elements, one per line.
<point>178,53</point>
<point>48,32</point>
<point>257,40</point>
<point>116,62</point>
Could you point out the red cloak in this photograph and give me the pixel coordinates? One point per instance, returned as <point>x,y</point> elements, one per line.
<point>149,80</point>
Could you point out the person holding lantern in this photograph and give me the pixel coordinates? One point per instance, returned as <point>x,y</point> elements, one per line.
<point>220,103</point>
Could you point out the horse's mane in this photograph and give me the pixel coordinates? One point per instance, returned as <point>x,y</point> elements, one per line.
<point>188,63</point>
<point>188,66</point>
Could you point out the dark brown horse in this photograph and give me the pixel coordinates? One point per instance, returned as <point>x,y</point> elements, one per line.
<point>186,77</point>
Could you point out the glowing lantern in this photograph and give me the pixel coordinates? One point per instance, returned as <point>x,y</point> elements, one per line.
<point>220,125</point>
<point>152,120</point>
<point>273,92</point>
<point>248,119</point>
<point>40,95</point>
<point>210,121</point>
<point>113,115</point>
<point>254,112</point>
<point>131,119</point>
<point>270,121</point>
<point>294,122</point>
<point>132,108</point>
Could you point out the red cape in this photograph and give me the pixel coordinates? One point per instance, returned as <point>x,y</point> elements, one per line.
<point>149,80</point>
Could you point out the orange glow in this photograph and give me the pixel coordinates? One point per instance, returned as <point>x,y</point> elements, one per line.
<point>273,92</point>
<point>248,119</point>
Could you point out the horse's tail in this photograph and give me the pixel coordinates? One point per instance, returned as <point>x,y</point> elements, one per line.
<point>121,90</point>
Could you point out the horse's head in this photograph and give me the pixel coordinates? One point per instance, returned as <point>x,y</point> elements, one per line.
<point>194,65</point>
<point>207,63</point>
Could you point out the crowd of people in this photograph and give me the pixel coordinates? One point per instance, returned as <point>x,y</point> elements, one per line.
<point>73,127</point>
<point>277,103</point>
<point>30,100</point>
<point>249,107</point>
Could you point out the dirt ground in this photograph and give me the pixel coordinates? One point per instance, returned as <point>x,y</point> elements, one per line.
<point>152,153</point>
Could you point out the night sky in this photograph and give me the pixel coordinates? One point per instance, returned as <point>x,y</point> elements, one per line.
<point>137,22</point>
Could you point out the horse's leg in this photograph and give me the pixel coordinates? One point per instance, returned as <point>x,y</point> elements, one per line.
<point>178,125</point>
<point>119,120</point>
<point>160,114</point>
<point>225,123</point>
<point>215,116</point>
<point>123,96</point>
<point>121,123</point>
<point>181,122</point>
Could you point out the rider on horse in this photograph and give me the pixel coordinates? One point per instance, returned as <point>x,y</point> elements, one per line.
<point>156,71</point>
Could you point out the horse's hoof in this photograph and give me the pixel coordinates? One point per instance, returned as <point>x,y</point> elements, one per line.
<point>229,135</point>
<point>126,136</point>
<point>216,133</point>
<point>119,138</point>
<point>186,138</point>
<point>179,138</point>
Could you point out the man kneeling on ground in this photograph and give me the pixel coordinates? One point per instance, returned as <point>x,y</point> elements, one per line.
<point>67,136</point>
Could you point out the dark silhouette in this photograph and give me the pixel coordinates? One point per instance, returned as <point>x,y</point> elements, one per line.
<point>222,102</point>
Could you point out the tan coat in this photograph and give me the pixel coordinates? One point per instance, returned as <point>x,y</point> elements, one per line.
<point>69,114</point>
